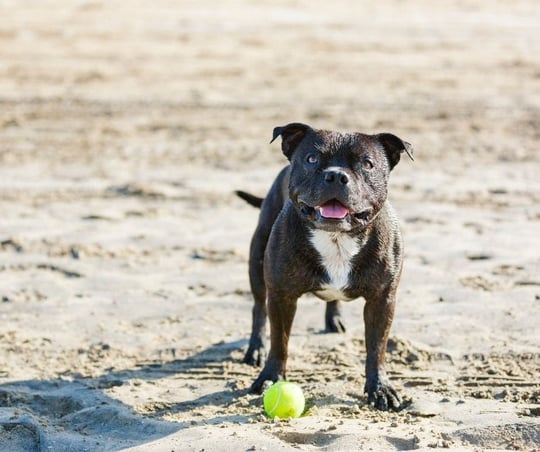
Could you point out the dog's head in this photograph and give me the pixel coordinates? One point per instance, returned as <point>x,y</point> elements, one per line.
<point>338,181</point>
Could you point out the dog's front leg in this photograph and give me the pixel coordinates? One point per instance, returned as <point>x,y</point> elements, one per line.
<point>281,311</point>
<point>378,315</point>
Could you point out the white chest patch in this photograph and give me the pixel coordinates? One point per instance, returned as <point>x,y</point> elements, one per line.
<point>337,251</point>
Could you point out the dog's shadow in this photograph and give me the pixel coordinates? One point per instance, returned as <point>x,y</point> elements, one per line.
<point>74,413</point>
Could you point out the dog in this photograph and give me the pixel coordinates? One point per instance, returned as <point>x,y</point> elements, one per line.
<point>327,228</point>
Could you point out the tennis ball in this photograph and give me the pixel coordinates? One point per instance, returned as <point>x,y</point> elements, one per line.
<point>284,399</point>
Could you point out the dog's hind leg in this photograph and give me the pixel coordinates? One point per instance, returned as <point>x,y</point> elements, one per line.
<point>256,352</point>
<point>332,319</point>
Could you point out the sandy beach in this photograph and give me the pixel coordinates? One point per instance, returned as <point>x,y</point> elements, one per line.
<point>125,308</point>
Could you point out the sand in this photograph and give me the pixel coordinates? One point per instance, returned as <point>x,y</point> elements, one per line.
<point>125,307</point>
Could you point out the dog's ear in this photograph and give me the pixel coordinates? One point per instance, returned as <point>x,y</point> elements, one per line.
<point>291,134</point>
<point>394,146</point>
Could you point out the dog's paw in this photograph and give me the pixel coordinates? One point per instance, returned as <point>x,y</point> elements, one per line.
<point>382,396</point>
<point>334,324</point>
<point>270,374</point>
<point>256,353</point>
<point>255,356</point>
<point>260,385</point>
<point>332,318</point>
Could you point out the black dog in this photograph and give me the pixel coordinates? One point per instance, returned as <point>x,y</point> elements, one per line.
<point>327,228</point>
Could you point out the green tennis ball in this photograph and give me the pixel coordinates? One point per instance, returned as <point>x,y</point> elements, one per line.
<point>284,400</point>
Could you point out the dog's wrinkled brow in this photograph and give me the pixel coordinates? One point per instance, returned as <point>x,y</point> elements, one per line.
<point>333,142</point>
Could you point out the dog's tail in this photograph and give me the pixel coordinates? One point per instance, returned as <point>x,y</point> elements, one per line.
<point>253,200</point>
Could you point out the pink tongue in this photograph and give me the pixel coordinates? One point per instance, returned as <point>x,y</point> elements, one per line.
<point>333,209</point>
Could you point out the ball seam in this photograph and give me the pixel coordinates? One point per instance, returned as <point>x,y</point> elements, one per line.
<point>276,404</point>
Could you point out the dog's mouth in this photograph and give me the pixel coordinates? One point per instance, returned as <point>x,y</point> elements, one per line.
<point>334,211</point>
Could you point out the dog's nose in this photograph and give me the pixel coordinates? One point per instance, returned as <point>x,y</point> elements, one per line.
<point>332,176</point>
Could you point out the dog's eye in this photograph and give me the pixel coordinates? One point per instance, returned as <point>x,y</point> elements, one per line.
<point>367,164</point>
<point>312,159</point>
